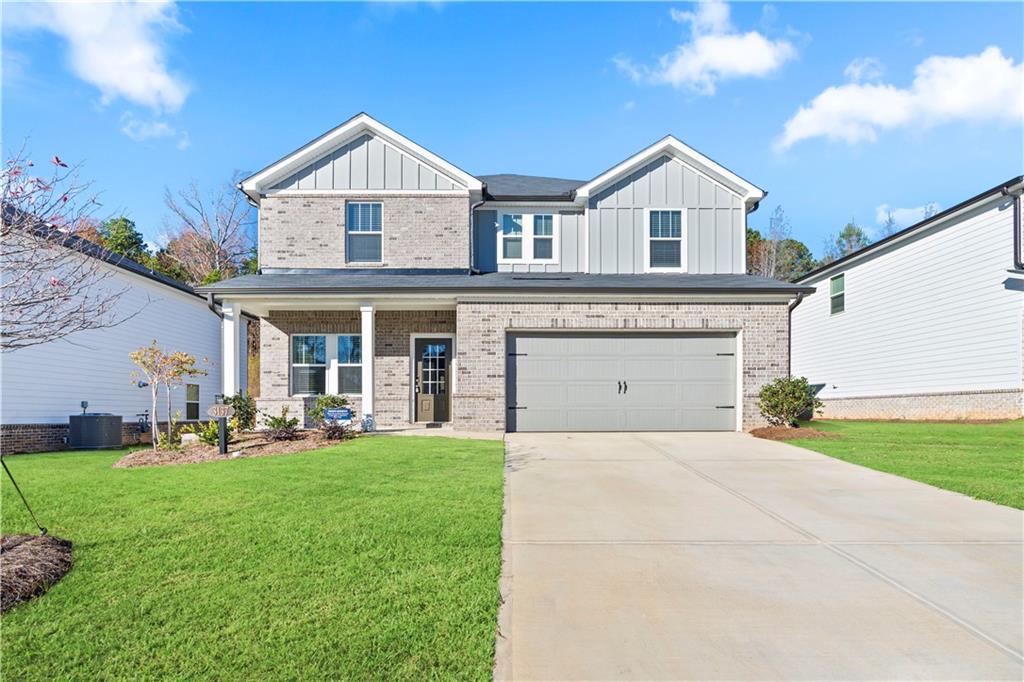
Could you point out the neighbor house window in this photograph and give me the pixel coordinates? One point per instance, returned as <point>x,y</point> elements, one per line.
<point>837,294</point>
<point>191,402</point>
<point>665,240</point>
<point>511,237</point>
<point>543,237</point>
<point>364,233</point>
<point>309,365</point>
<point>350,363</point>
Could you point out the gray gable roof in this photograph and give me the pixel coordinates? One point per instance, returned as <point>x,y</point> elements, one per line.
<point>382,281</point>
<point>511,186</point>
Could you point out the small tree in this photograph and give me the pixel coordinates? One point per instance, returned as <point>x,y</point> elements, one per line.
<point>168,369</point>
<point>785,399</point>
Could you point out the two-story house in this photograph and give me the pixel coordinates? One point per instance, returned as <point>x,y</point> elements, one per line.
<point>506,302</point>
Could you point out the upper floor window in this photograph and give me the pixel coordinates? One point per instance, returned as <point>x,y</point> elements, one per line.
<point>665,241</point>
<point>364,233</point>
<point>837,294</point>
<point>528,238</point>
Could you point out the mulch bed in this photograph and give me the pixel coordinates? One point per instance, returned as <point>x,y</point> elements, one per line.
<point>790,433</point>
<point>244,445</point>
<point>29,565</point>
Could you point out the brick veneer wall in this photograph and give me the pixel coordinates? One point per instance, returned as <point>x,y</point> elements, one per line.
<point>418,231</point>
<point>924,406</point>
<point>391,354</point>
<point>480,374</point>
<point>24,438</point>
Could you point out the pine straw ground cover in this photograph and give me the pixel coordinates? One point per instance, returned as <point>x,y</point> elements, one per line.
<point>29,565</point>
<point>374,559</point>
<point>253,444</point>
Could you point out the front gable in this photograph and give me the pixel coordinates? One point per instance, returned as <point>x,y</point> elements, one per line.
<point>360,154</point>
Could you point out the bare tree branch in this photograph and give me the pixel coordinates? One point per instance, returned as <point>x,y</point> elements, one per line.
<point>52,283</point>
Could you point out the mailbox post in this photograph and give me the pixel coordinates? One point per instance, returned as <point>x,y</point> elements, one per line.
<point>221,413</point>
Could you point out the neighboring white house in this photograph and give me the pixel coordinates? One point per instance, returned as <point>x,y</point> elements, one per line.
<point>924,324</point>
<point>40,386</point>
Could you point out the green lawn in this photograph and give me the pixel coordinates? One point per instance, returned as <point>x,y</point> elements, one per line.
<point>981,460</point>
<point>375,559</point>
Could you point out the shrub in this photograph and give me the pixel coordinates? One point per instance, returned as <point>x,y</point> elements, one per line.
<point>282,427</point>
<point>785,399</point>
<point>171,439</point>
<point>209,432</point>
<point>245,410</point>
<point>333,430</point>
<point>324,402</point>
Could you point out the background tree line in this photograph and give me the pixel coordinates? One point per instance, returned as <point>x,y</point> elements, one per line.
<point>779,256</point>
<point>207,238</point>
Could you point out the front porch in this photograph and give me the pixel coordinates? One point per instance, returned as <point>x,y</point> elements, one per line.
<point>394,364</point>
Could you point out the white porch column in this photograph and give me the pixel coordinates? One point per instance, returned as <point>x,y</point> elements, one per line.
<point>232,347</point>
<point>366,329</point>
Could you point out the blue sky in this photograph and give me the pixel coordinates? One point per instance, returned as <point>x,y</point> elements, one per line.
<point>837,109</point>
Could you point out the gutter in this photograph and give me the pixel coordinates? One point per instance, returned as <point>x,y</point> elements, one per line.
<point>789,340</point>
<point>1015,191</point>
<point>213,306</point>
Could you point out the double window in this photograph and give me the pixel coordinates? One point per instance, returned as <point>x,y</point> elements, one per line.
<point>528,238</point>
<point>326,364</point>
<point>664,241</point>
<point>364,233</point>
<point>837,294</point>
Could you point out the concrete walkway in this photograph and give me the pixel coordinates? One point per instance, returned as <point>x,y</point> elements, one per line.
<point>720,556</point>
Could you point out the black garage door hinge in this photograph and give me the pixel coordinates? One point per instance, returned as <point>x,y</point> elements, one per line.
<point>512,355</point>
<point>725,354</point>
<point>725,407</point>
<point>517,407</point>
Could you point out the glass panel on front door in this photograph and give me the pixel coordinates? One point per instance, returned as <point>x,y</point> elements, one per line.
<point>433,358</point>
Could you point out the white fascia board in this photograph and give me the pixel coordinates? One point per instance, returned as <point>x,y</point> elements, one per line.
<point>350,129</point>
<point>670,145</point>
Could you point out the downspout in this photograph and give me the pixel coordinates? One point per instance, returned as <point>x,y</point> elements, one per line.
<point>1018,253</point>
<point>789,341</point>
<point>213,308</point>
<point>472,230</point>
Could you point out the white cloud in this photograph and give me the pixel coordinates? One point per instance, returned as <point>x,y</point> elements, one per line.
<point>629,106</point>
<point>141,131</point>
<point>984,87</point>
<point>864,69</point>
<point>905,217</point>
<point>715,52</point>
<point>117,47</point>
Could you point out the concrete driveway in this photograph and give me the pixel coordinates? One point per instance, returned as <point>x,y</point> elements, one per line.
<point>721,556</point>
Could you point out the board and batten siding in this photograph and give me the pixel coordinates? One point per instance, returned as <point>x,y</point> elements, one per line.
<point>368,163</point>
<point>714,229</point>
<point>571,241</point>
<point>939,313</point>
<point>45,384</point>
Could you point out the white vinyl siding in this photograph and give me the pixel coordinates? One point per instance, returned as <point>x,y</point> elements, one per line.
<point>936,314</point>
<point>44,384</point>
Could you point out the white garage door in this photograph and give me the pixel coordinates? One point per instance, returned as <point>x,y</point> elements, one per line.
<point>621,382</point>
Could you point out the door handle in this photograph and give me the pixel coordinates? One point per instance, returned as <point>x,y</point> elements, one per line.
<point>620,387</point>
<point>625,387</point>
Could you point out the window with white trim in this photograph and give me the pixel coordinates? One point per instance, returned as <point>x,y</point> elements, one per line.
<point>191,402</point>
<point>837,294</point>
<point>511,236</point>
<point>309,364</point>
<point>364,237</point>
<point>665,240</point>
<point>543,237</point>
<point>350,363</point>
<point>525,238</point>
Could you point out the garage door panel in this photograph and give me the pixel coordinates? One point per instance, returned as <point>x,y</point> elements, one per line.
<point>571,381</point>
